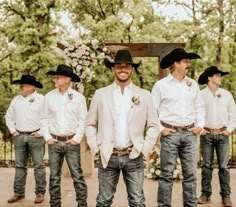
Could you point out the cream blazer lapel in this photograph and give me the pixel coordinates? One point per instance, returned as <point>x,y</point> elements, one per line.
<point>134,93</point>
<point>110,100</point>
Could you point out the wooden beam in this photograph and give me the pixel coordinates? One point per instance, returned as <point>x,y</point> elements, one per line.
<point>145,49</point>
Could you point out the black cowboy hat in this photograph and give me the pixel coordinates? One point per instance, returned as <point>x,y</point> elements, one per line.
<point>65,71</point>
<point>209,72</point>
<point>28,79</point>
<point>122,56</point>
<point>176,55</point>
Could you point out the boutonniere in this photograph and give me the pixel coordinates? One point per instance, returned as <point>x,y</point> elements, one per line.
<point>31,100</point>
<point>189,84</point>
<point>70,96</point>
<point>135,101</point>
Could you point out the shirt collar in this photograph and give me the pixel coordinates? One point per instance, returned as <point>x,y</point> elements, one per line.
<point>30,96</point>
<point>171,78</point>
<point>217,91</point>
<point>68,91</point>
<point>116,87</point>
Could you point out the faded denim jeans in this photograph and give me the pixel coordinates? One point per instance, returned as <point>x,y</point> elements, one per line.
<point>24,146</point>
<point>219,143</point>
<point>133,175</point>
<point>57,151</point>
<point>184,146</point>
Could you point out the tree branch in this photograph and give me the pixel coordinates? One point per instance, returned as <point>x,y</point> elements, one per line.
<point>61,46</point>
<point>4,74</point>
<point>5,57</point>
<point>10,8</point>
<point>47,35</point>
<point>102,13</point>
<point>51,4</point>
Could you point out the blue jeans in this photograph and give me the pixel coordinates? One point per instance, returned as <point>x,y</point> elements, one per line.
<point>133,175</point>
<point>24,146</point>
<point>57,151</point>
<point>220,143</point>
<point>184,146</point>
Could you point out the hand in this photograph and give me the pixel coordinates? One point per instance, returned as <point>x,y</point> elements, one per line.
<point>71,141</point>
<point>225,132</point>
<point>204,132</point>
<point>35,134</point>
<point>51,141</point>
<point>15,134</point>
<point>196,130</point>
<point>167,131</point>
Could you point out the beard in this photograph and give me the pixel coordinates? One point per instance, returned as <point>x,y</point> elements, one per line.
<point>123,79</point>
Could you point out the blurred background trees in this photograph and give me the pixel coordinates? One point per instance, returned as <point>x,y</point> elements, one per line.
<point>30,30</point>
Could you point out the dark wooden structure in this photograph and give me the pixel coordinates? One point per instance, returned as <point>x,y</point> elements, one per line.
<point>144,50</point>
<point>147,50</point>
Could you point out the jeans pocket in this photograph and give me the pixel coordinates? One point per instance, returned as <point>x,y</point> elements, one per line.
<point>52,146</point>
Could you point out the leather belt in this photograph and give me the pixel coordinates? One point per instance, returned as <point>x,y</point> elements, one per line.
<point>27,132</point>
<point>63,138</point>
<point>177,128</point>
<point>215,131</point>
<point>122,152</point>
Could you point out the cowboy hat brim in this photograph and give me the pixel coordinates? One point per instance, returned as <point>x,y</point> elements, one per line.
<point>73,76</point>
<point>169,59</point>
<point>203,78</point>
<point>110,64</point>
<point>29,82</point>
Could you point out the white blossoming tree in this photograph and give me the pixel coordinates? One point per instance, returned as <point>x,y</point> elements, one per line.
<point>83,56</point>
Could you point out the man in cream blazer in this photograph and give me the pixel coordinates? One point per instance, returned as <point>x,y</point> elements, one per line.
<point>122,125</point>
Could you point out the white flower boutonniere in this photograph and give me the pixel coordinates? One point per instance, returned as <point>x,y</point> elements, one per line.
<point>135,101</point>
<point>31,100</point>
<point>189,84</point>
<point>70,96</point>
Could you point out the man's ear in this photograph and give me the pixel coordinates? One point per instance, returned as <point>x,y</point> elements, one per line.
<point>133,69</point>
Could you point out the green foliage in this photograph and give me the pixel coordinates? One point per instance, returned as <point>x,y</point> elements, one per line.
<point>28,33</point>
<point>5,149</point>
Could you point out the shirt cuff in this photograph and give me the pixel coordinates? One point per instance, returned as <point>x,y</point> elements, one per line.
<point>199,125</point>
<point>12,130</point>
<point>161,128</point>
<point>230,129</point>
<point>47,136</point>
<point>77,138</point>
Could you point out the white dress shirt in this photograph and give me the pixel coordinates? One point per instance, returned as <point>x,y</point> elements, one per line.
<point>122,107</point>
<point>24,113</point>
<point>220,109</point>
<point>64,114</point>
<point>178,103</point>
